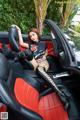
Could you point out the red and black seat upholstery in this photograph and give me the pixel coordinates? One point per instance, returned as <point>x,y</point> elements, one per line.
<point>48,106</point>
<point>21,90</point>
<point>25,97</point>
<point>8,97</point>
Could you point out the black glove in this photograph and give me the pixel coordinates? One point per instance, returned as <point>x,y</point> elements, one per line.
<point>29,54</point>
<point>21,55</point>
<point>26,54</point>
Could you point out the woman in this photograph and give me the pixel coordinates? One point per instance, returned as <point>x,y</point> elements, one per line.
<point>38,49</point>
<point>36,53</point>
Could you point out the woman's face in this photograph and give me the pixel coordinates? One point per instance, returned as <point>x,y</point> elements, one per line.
<point>33,36</point>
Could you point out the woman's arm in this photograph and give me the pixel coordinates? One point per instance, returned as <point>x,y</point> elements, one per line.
<point>21,42</point>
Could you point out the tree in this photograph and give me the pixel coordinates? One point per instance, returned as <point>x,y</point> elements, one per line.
<point>41,11</point>
<point>67,11</point>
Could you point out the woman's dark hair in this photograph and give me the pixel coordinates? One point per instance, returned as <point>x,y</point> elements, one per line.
<point>35,30</point>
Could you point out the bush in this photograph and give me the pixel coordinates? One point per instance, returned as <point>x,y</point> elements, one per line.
<point>17,12</point>
<point>77,28</point>
<point>76,41</point>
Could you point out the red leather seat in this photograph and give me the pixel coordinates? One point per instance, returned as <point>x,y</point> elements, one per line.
<point>49,106</point>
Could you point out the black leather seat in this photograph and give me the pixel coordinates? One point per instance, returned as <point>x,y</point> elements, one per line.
<point>7,95</point>
<point>26,90</point>
<point>16,99</point>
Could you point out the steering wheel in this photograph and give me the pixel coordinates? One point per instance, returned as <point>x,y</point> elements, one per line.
<point>14,42</point>
<point>13,38</point>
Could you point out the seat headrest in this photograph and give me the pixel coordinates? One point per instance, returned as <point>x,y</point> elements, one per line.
<point>4,67</point>
<point>13,38</point>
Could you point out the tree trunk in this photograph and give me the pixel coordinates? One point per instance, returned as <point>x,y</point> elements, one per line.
<point>41,11</point>
<point>39,23</point>
<point>40,27</point>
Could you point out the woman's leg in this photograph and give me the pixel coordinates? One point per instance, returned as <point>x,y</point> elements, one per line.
<point>63,94</point>
<point>34,63</point>
<point>46,77</point>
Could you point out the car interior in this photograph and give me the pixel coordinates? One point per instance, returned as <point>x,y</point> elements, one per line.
<point>27,95</point>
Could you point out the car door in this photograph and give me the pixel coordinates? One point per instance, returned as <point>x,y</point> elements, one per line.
<point>64,50</point>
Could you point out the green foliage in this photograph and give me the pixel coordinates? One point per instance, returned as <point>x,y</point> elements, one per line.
<point>72,15</point>
<point>77,41</point>
<point>77,28</point>
<point>53,11</point>
<point>20,12</point>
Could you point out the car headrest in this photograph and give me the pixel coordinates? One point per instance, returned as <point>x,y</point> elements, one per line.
<point>13,38</point>
<point>4,67</point>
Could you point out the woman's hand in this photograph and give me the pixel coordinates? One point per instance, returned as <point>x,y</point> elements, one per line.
<point>13,25</point>
<point>17,28</point>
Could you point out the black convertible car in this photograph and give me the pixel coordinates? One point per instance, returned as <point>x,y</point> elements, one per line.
<point>23,93</point>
